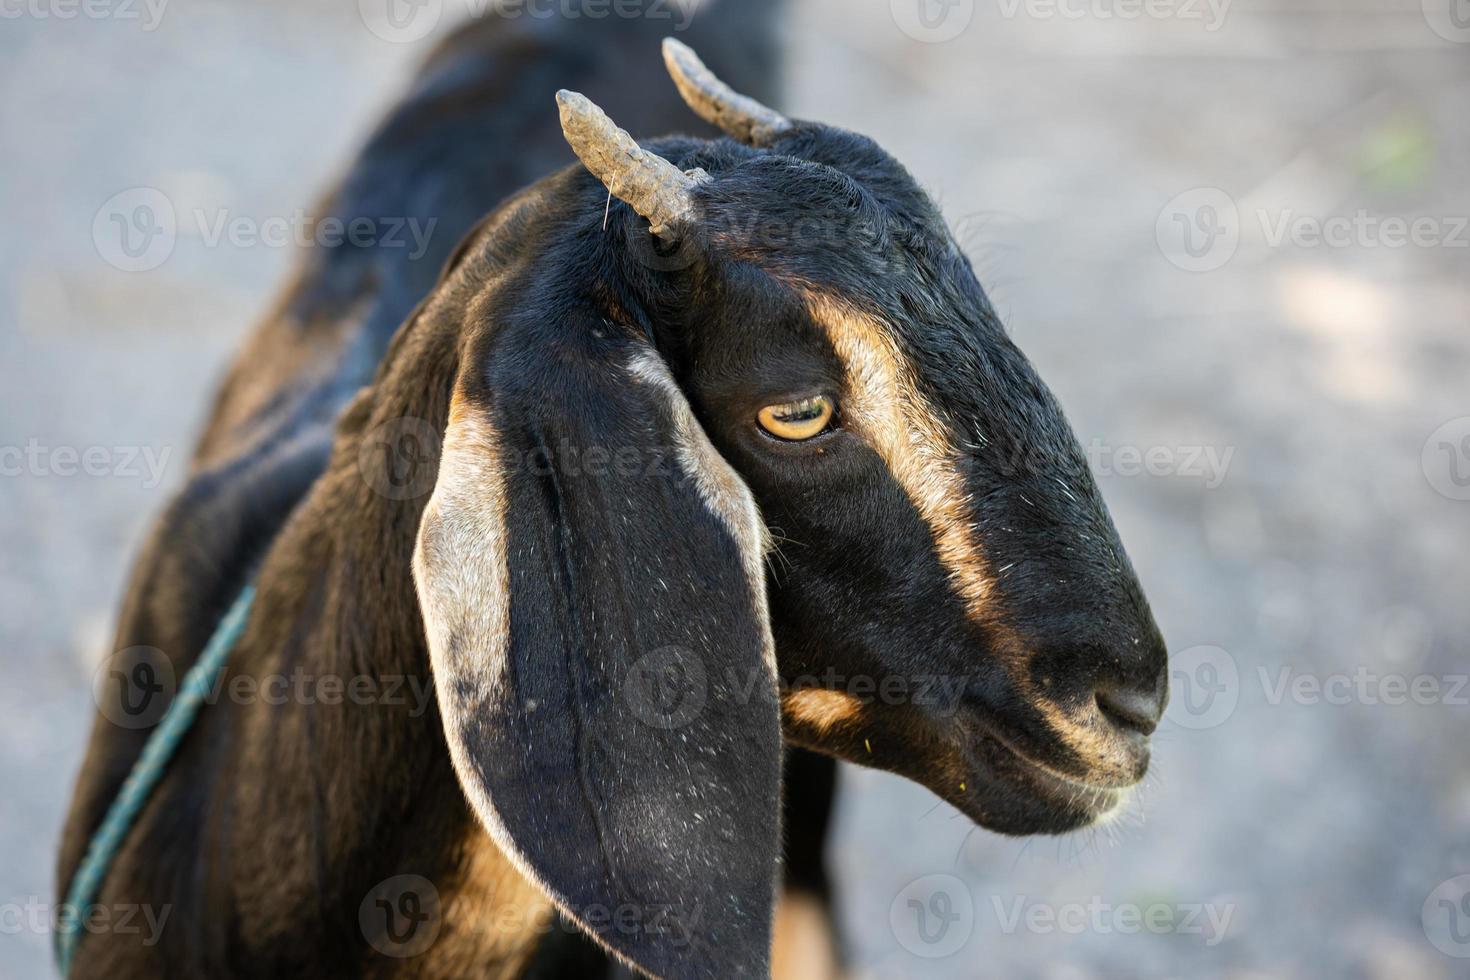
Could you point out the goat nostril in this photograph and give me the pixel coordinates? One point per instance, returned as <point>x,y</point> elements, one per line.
<point>1130,709</point>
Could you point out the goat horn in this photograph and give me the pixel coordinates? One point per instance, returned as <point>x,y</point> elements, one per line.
<point>651,185</point>
<point>717,103</point>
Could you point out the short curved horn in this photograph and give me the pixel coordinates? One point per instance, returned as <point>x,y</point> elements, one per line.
<point>651,185</point>
<point>717,103</point>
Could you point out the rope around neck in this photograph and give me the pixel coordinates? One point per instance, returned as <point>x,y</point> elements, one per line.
<point>144,777</point>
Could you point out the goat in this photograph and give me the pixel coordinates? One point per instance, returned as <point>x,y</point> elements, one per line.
<point>848,384</point>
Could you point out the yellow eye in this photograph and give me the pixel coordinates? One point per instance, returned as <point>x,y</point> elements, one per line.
<point>795,421</point>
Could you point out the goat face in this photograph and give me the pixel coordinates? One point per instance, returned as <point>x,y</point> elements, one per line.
<point>945,595</point>
<point>948,595</point>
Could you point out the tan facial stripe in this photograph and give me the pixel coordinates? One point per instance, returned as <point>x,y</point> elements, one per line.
<point>821,709</point>
<point>884,406</point>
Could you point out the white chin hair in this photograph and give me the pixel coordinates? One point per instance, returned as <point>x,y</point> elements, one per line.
<point>1115,812</point>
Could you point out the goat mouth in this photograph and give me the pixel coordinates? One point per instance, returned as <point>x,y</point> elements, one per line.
<point>1013,794</point>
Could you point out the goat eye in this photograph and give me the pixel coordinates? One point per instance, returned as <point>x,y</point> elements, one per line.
<point>795,421</point>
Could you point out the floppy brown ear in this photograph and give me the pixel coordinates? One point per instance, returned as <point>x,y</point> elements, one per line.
<point>591,578</point>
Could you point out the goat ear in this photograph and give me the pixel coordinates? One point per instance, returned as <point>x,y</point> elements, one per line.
<point>591,578</point>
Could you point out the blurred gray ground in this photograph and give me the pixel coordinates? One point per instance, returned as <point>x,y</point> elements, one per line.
<point>1055,138</point>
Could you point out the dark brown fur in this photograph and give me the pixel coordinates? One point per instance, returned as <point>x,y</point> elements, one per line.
<point>280,820</point>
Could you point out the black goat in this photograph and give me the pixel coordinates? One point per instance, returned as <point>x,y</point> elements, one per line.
<point>772,331</point>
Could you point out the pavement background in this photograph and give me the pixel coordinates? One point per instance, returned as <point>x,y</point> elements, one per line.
<point>1279,422</point>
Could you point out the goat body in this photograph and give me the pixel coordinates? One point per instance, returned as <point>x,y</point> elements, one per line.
<point>277,821</point>
<point>773,336</point>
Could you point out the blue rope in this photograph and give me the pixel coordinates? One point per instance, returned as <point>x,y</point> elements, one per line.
<point>144,777</point>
